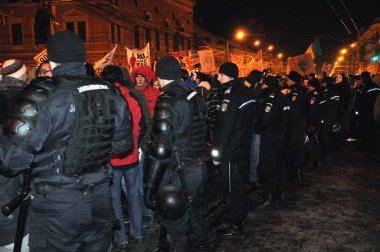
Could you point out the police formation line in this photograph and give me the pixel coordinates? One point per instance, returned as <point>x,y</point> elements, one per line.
<point>71,143</point>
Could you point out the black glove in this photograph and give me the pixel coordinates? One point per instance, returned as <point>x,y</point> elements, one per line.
<point>149,198</point>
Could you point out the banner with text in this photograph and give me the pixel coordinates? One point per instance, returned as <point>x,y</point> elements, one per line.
<point>41,57</point>
<point>207,61</point>
<point>137,57</point>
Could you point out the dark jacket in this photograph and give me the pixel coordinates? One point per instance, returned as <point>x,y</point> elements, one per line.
<point>56,123</point>
<point>272,113</point>
<point>233,127</point>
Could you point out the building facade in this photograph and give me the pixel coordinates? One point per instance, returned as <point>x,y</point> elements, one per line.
<point>368,49</point>
<point>166,24</point>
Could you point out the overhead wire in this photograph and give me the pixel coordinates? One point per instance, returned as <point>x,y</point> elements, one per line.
<point>338,16</point>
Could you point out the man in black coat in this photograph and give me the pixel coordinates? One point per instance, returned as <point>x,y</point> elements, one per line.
<point>231,148</point>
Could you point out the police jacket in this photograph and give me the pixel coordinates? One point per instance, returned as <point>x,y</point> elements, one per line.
<point>365,100</point>
<point>329,104</point>
<point>233,125</point>
<point>298,103</point>
<point>272,112</point>
<point>46,145</point>
<point>313,109</point>
<point>179,121</point>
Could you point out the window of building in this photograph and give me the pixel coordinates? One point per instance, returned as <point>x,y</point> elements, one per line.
<point>165,24</point>
<point>158,47</point>
<point>137,36</point>
<point>82,30</point>
<point>174,16</point>
<point>115,33</point>
<point>147,35</point>
<point>188,21</point>
<point>181,28</point>
<point>156,9</point>
<point>136,3</point>
<point>166,42</point>
<point>70,26</point>
<point>189,44</point>
<point>77,27</point>
<point>17,34</point>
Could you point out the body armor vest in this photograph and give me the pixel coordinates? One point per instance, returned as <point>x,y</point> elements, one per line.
<point>193,142</point>
<point>88,148</point>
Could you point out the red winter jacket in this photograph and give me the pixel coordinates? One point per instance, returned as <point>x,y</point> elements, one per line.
<point>138,130</point>
<point>151,94</point>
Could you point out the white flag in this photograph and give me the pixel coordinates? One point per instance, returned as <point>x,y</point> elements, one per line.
<point>105,61</point>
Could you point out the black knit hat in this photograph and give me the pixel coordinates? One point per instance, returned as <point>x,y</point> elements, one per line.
<point>294,76</point>
<point>65,47</point>
<point>230,69</point>
<point>313,83</point>
<point>271,81</point>
<point>168,68</point>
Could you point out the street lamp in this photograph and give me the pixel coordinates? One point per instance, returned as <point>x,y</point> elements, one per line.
<point>270,48</point>
<point>343,51</point>
<point>257,43</point>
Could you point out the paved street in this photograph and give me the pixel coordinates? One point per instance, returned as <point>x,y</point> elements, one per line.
<point>334,208</point>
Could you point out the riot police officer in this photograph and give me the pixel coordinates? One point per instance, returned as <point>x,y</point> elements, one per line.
<point>329,109</point>
<point>64,128</point>
<point>296,126</point>
<point>233,130</point>
<point>176,172</point>
<point>271,122</point>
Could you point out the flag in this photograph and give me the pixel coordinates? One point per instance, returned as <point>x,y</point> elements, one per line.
<point>137,57</point>
<point>206,58</point>
<point>106,60</point>
<point>303,64</point>
<point>314,49</point>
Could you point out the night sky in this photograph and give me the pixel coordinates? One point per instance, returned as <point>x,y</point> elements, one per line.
<point>290,25</point>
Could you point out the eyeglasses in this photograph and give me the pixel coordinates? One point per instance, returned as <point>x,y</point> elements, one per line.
<point>44,71</point>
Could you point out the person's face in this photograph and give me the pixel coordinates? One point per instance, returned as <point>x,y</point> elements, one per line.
<point>45,71</point>
<point>140,80</point>
<point>222,78</point>
<point>339,79</point>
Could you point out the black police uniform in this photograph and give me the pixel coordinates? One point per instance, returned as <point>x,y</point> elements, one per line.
<point>178,149</point>
<point>233,130</point>
<point>295,131</point>
<point>329,109</point>
<point>364,108</point>
<point>65,128</point>
<point>271,122</point>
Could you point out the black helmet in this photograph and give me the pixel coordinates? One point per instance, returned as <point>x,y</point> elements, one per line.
<point>172,202</point>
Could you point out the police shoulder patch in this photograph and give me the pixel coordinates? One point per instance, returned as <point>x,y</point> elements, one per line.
<point>224,107</point>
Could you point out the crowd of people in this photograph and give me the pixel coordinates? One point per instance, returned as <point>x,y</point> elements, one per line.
<point>83,140</point>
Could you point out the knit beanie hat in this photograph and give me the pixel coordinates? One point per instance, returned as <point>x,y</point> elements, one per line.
<point>14,68</point>
<point>271,81</point>
<point>230,69</point>
<point>168,68</point>
<point>65,47</point>
<point>294,76</point>
<point>313,82</point>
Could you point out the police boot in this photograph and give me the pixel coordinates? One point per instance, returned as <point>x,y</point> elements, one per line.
<point>234,232</point>
<point>269,202</point>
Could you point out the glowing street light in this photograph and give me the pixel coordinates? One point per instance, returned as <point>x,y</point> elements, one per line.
<point>270,48</point>
<point>353,45</point>
<point>257,42</point>
<point>343,51</point>
<point>280,55</point>
<point>340,58</point>
<point>240,35</point>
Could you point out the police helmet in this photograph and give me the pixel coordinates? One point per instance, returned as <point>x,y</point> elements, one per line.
<point>172,202</point>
